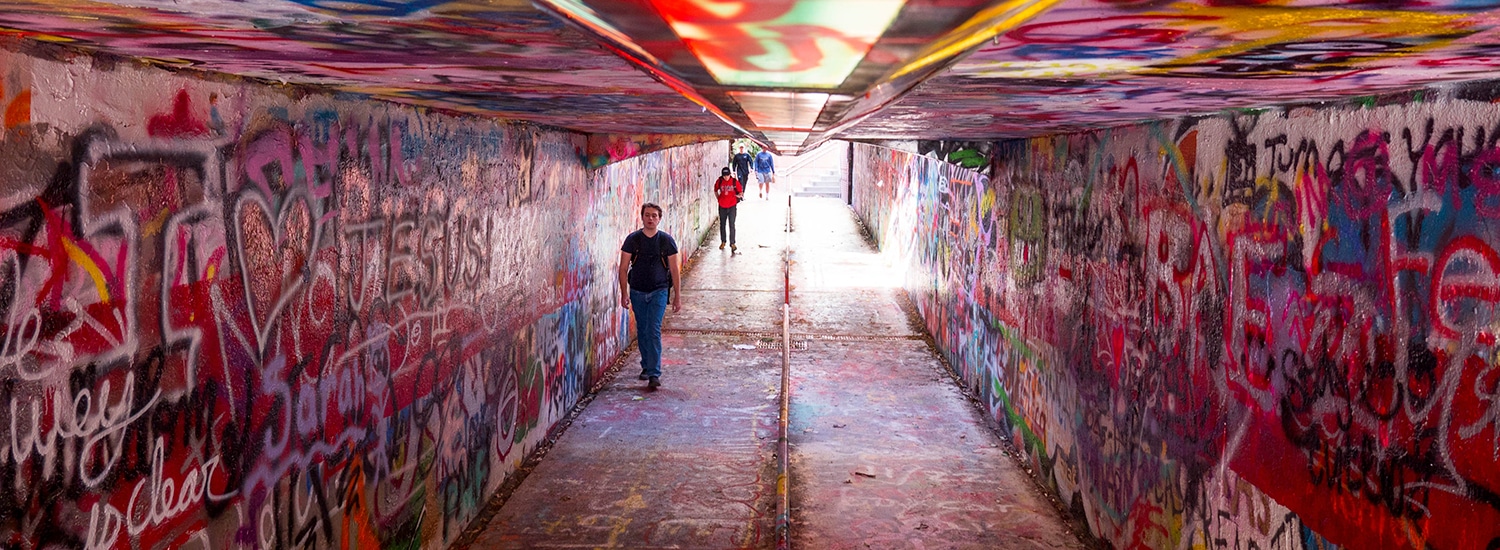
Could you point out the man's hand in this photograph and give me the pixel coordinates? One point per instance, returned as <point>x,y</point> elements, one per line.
<point>677,305</point>
<point>624,274</point>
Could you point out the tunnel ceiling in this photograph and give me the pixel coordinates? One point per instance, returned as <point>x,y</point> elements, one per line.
<point>1083,65</point>
<point>793,73</point>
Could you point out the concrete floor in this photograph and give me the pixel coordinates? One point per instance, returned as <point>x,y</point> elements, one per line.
<point>886,452</point>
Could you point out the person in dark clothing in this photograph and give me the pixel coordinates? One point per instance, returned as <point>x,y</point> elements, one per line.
<point>730,192</point>
<point>741,163</point>
<point>649,270</point>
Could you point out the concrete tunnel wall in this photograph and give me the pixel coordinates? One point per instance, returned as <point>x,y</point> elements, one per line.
<point>242,316</point>
<point>1266,330</point>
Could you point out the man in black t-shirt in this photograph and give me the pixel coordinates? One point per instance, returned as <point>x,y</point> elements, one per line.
<point>741,163</point>
<point>649,270</point>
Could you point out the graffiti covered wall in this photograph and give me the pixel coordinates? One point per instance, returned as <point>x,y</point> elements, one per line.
<point>1270,330</point>
<point>230,318</point>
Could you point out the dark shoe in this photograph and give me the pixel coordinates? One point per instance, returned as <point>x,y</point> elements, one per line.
<point>721,246</point>
<point>654,383</point>
<point>642,376</point>
<point>733,248</point>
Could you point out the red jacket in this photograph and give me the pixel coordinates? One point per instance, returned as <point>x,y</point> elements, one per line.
<point>728,189</point>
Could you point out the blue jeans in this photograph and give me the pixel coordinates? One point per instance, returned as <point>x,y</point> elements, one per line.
<point>649,308</point>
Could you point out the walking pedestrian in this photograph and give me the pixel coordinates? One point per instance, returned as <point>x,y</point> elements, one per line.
<point>765,172</point>
<point>741,163</point>
<point>730,192</point>
<point>649,271</point>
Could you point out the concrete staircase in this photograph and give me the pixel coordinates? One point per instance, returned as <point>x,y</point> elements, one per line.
<point>824,172</point>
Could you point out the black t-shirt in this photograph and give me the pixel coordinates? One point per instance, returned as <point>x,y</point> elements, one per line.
<point>648,260</point>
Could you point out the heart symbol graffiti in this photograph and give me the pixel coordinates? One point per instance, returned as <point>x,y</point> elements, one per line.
<point>273,258</point>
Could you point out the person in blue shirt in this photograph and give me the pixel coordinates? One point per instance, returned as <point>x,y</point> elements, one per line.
<point>765,172</point>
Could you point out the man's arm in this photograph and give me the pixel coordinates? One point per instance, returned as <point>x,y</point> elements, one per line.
<point>676,282</point>
<point>625,279</point>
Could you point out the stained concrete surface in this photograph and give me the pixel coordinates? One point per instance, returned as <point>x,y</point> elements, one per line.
<point>901,461</point>
<point>850,312</point>
<point>689,465</point>
<point>886,452</point>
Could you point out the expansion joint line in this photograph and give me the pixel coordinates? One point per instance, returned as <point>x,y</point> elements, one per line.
<point>721,332</point>
<point>799,340</point>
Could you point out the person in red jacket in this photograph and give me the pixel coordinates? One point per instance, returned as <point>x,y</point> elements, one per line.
<point>730,192</point>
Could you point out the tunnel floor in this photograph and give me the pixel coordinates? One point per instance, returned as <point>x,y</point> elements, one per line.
<point>886,451</point>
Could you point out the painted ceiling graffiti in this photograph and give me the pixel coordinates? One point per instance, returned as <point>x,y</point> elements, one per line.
<point>781,42</point>
<point>1040,67</point>
<point>1091,64</point>
<point>502,59</point>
